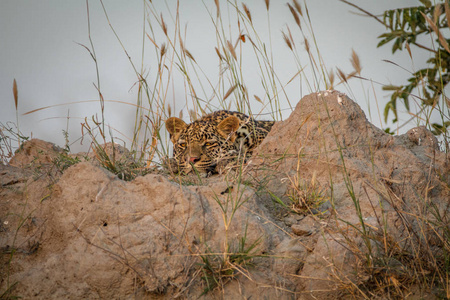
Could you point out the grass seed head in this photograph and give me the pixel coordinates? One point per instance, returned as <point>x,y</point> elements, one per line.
<point>295,15</point>
<point>331,78</point>
<point>298,7</point>
<point>257,99</point>
<point>355,62</point>
<point>163,49</point>
<point>163,25</point>
<point>218,53</point>
<point>16,93</point>
<point>342,75</point>
<point>231,48</point>
<point>188,54</point>
<point>287,40</point>
<point>230,90</point>
<point>307,48</point>
<point>247,12</point>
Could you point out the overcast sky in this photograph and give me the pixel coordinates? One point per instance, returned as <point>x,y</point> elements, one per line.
<point>40,49</point>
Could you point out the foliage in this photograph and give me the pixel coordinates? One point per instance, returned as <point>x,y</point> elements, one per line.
<point>407,27</point>
<point>64,161</point>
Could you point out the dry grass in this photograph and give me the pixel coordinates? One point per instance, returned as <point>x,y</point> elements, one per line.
<point>395,267</point>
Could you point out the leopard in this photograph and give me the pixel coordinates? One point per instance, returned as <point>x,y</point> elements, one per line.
<point>209,144</point>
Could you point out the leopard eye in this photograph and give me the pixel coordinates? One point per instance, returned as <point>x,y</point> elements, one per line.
<point>182,145</point>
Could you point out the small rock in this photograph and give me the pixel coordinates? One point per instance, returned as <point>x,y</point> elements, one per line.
<point>301,229</point>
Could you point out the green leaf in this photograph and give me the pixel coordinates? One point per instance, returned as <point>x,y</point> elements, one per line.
<point>387,108</point>
<point>440,128</point>
<point>427,3</point>
<point>391,88</point>
<point>388,130</point>
<point>386,40</point>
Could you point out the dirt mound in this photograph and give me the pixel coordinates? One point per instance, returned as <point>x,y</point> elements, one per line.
<point>379,189</point>
<point>300,224</point>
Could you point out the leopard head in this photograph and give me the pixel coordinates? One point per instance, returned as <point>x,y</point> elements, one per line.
<point>202,144</point>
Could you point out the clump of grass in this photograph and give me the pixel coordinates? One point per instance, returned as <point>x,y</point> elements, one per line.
<point>10,140</point>
<point>220,268</point>
<point>302,197</point>
<point>121,164</point>
<point>306,197</point>
<point>64,161</point>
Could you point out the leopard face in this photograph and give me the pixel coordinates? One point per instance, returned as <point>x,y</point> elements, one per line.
<point>214,140</point>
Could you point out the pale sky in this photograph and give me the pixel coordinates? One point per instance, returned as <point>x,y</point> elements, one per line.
<point>40,50</point>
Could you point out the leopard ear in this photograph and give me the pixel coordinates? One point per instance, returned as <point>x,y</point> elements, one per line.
<point>174,126</point>
<point>228,127</point>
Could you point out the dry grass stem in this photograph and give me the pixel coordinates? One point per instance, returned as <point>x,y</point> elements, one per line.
<point>447,12</point>
<point>441,38</point>
<point>148,36</point>
<point>408,49</point>
<point>193,114</point>
<point>438,10</point>
<point>290,36</point>
<point>217,7</point>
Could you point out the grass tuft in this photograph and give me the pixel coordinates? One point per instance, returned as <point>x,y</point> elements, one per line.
<point>220,268</point>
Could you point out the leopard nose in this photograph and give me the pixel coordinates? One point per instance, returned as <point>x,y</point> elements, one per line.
<point>194,159</point>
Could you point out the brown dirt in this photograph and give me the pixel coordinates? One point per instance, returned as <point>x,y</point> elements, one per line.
<point>84,233</point>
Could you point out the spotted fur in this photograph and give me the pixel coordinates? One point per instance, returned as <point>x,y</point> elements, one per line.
<point>213,141</point>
